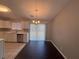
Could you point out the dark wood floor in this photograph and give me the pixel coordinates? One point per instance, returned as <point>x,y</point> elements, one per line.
<point>39,50</point>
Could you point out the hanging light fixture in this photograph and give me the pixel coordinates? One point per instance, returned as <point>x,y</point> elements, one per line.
<point>36,20</point>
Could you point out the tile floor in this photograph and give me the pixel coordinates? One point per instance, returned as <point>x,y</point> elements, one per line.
<point>12,49</point>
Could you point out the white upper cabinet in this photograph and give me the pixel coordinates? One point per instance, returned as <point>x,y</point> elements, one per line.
<point>20,25</point>
<point>5,24</point>
<point>25,25</point>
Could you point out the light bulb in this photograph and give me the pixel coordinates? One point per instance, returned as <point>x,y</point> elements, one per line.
<point>38,21</point>
<point>33,21</point>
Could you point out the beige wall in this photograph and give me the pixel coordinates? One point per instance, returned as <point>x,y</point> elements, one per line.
<point>65,30</point>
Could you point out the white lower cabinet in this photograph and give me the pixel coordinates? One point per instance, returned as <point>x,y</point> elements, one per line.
<point>1,49</point>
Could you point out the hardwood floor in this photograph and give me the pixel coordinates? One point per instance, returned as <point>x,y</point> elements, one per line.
<point>39,50</point>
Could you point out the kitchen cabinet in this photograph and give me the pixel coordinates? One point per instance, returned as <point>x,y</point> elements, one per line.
<point>5,24</point>
<point>1,48</point>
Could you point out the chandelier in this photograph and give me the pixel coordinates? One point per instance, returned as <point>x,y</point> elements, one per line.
<point>36,20</point>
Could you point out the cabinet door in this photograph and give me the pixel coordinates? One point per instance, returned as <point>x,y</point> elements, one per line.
<point>1,49</point>
<point>5,24</point>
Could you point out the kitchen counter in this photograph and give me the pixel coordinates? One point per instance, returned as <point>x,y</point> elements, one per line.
<point>1,39</point>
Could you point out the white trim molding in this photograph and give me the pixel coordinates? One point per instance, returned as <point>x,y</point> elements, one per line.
<point>58,49</point>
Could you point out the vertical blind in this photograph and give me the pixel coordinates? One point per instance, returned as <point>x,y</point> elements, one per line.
<point>37,32</point>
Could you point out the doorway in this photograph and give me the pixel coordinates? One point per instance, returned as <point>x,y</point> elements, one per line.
<point>37,32</point>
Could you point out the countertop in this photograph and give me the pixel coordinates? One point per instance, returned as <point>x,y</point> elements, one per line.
<point>1,39</point>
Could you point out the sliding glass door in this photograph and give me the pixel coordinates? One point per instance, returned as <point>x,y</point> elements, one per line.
<point>37,32</point>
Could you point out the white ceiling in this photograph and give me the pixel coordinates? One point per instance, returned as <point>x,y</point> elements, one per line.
<point>25,9</point>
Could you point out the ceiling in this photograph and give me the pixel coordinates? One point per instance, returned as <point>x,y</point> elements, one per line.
<point>25,9</point>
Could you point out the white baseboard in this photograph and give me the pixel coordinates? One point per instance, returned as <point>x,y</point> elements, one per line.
<point>47,40</point>
<point>58,49</point>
